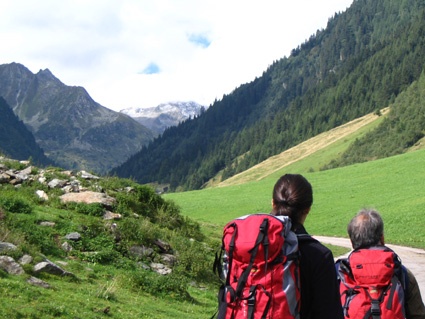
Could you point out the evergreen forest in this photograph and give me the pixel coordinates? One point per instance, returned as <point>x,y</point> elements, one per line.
<point>369,57</point>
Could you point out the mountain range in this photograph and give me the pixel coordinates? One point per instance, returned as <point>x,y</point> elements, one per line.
<point>74,131</point>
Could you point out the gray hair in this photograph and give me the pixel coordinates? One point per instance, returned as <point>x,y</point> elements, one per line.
<point>366,229</point>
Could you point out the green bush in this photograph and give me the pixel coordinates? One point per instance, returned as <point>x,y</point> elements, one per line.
<point>14,165</point>
<point>195,259</point>
<point>127,204</point>
<point>15,203</point>
<point>3,274</point>
<point>94,209</point>
<point>33,237</point>
<point>115,183</point>
<point>104,257</point>
<point>174,286</point>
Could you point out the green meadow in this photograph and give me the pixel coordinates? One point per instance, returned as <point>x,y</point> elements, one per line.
<point>394,186</point>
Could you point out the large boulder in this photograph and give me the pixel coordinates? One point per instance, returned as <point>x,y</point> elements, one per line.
<point>89,197</point>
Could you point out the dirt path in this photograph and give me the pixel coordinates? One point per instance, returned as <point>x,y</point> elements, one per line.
<point>412,258</point>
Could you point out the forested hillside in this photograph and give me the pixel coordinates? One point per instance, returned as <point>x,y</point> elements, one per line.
<point>401,130</point>
<point>16,140</point>
<point>360,63</point>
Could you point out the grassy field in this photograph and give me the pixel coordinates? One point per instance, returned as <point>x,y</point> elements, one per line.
<point>102,292</point>
<point>395,186</point>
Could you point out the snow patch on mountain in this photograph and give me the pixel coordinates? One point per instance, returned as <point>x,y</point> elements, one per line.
<point>160,117</point>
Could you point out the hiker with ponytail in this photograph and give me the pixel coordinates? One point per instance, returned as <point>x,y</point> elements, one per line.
<point>293,197</point>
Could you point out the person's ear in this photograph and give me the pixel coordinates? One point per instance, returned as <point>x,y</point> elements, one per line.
<point>382,239</point>
<point>273,204</point>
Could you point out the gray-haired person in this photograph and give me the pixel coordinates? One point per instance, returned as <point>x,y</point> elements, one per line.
<point>366,230</point>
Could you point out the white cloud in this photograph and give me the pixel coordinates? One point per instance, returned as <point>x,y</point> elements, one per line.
<point>139,53</point>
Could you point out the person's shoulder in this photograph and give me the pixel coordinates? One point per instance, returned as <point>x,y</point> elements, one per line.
<point>410,277</point>
<point>307,242</point>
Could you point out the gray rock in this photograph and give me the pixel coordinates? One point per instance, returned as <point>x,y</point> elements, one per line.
<point>9,265</point>
<point>66,247</point>
<point>141,251</point>
<point>86,175</point>
<point>89,197</point>
<point>48,224</point>
<point>25,260</point>
<point>160,268</point>
<point>110,216</point>
<point>57,183</point>
<point>42,195</point>
<point>38,282</point>
<point>4,178</point>
<point>169,259</point>
<point>50,268</point>
<point>164,246</point>
<point>7,246</point>
<point>73,236</point>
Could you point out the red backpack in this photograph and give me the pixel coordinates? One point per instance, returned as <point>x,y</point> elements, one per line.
<point>372,284</point>
<point>259,269</point>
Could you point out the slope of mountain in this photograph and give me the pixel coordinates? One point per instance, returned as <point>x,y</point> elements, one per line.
<point>164,115</point>
<point>401,131</point>
<point>74,130</point>
<point>342,135</point>
<point>360,63</point>
<point>16,140</point>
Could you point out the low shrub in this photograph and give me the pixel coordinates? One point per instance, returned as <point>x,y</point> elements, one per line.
<point>174,286</point>
<point>138,231</point>
<point>94,209</point>
<point>195,259</point>
<point>104,257</point>
<point>33,237</point>
<point>14,202</point>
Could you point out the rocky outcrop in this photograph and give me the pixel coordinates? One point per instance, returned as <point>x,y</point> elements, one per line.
<point>161,256</point>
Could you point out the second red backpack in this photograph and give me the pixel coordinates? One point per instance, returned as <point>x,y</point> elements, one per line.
<point>372,284</point>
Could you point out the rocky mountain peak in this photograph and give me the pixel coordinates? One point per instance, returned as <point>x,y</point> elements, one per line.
<point>165,115</point>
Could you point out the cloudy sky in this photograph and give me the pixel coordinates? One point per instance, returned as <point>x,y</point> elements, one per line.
<point>140,53</point>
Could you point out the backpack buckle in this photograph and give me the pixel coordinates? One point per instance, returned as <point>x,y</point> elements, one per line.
<point>375,310</point>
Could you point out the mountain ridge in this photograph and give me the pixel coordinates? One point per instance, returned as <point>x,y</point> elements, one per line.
<point>75,131</point>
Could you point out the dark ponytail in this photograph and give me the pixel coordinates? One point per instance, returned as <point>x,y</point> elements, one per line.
<point>292,195</point>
